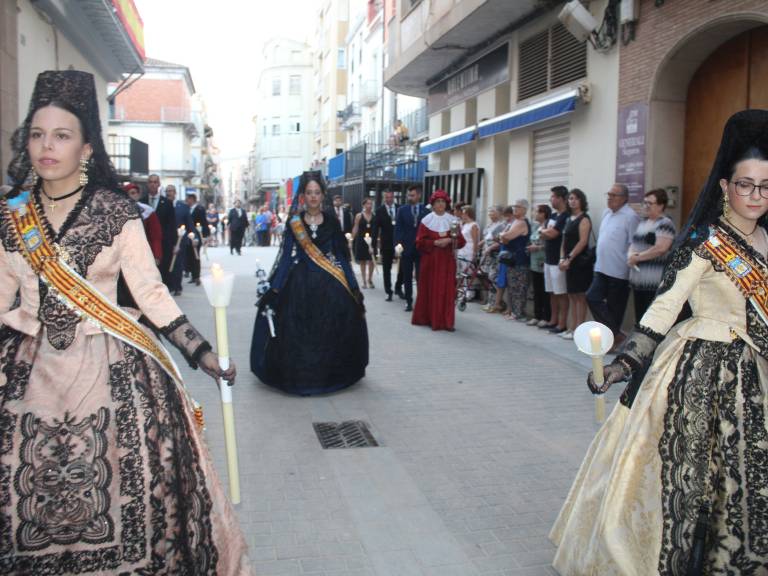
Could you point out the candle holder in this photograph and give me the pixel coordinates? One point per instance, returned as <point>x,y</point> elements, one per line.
<point>218,288</point>
<point>594,340</point>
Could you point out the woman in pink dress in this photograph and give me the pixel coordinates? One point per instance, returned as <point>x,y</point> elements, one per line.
<point>103,468</point>
<point>437,239</point>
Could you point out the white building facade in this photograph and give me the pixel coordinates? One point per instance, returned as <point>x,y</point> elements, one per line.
<point>533,108</point>
<point>283,141</point>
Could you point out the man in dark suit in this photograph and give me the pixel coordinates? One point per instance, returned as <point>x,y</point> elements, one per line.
<point>198,225</point>
<point>167,216</point>
<point>181,210</point>
<point>406,225</point>
<point>344,215</point>
<point>384,231</point>
<point>238,224</point>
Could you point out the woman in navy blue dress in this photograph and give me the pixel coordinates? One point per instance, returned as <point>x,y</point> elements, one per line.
<point>310,335</point>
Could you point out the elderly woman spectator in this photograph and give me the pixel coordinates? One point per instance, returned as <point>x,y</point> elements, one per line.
<point>516,260</point>
<point>575,258</point>
<point>489,256</point>
<point>649,250</point>
<point>541,307</point>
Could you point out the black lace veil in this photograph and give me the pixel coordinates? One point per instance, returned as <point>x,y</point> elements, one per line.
<point>744,131</point>
<point>75,92</point>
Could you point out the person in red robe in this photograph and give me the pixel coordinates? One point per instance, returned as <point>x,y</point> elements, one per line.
<point>437,239</point>
<point>152,227</point>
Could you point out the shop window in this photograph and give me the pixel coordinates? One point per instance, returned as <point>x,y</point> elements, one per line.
<point>294,85</point>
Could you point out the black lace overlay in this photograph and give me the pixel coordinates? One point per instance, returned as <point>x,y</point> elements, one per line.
<point>63,482</point>
<point>187,340</point>
<point>7,235</point>
<point>711,454</point>
<point>637,352</point>
<point>679,260</point>
<point>92,225</point>
<point>16,371</point>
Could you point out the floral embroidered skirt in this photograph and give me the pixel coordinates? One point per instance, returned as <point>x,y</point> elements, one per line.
<point>695,434</point>
<point>102,468</point>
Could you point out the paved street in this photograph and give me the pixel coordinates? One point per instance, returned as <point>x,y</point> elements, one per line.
<point>481,433</point>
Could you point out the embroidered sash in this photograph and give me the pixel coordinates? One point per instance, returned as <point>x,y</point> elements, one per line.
<point>743,271</point>
<point>316,255</point>
<point>73,290</point>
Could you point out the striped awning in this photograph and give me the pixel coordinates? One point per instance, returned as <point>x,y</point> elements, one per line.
<point>451,140</point>
<point>548,109</point>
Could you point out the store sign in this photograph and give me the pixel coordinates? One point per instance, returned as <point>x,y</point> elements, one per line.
<point>491,70</point>
<point>129,16</point>
<point>630,161</point>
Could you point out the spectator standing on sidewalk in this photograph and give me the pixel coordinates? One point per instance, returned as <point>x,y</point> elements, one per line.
<point>607,295</point>
<point>489,256</point>
<point>576,259</point>
<point>649,250</point>
<point>554,278</point>
<point>541,307</point>
<point>516,239</point>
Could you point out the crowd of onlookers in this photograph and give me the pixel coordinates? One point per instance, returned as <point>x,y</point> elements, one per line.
<point>549,254</point>
<point>570,267</point>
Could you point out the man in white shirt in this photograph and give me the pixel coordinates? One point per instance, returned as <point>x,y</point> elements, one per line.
<point>343,215</point>
<point>607,296</point>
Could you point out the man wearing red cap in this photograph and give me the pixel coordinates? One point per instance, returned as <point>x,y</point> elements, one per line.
<point>437,239</point>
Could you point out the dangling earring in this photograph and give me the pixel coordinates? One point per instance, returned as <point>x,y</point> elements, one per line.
<point>725,206</point>
<point>83,171</point>
<point>32,177</point>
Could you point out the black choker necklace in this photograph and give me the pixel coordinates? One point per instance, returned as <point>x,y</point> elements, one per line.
<point>52,205</point>
<point>740,230</point>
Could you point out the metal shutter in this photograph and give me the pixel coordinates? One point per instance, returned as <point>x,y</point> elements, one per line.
<point>551,161</point>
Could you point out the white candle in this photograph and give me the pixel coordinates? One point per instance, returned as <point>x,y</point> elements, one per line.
<point>596,342</point>
<point>219,290</point>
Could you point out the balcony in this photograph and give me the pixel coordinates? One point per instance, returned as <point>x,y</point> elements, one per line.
<point>370,92</point>
<point>350,116</point>
<point>428,41</point>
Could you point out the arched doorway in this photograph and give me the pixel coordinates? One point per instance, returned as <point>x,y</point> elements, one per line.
<point>733,78</point>
<point>712,72</point>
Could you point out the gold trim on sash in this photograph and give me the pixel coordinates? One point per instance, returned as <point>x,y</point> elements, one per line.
<point>75,291</point>
<point>744,272</point>
<point>316,255</point>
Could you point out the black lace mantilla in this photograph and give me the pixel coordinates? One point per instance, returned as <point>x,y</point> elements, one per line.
<point>187,340</point>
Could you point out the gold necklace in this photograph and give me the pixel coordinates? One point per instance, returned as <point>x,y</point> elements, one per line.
<point>740,230</point>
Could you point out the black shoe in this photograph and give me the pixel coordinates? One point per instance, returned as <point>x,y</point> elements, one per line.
<point>177,292</point>
<point>191,281</point>
<point>389,297</point>
<point>408,308</point>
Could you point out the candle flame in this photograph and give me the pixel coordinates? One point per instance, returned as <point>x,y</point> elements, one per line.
<point>217,271</point>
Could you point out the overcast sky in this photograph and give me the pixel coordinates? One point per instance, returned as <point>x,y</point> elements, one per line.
<point>221,44</point>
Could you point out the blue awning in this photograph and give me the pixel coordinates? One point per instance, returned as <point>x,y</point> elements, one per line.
<point>545,110</point>
<point>451,140</point>
<point>336,166</point>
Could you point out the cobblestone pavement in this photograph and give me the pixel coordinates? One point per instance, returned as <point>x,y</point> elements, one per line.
<point>481,432</point>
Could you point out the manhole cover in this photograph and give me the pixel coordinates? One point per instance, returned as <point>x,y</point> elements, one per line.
<point>350,434</point>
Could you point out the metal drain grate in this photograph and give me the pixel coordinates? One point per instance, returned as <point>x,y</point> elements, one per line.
<point>350,434</point>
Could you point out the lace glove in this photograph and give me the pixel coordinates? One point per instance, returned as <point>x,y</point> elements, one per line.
<point>267,300</point>
<point>187,340</point>
<point>616,371</point>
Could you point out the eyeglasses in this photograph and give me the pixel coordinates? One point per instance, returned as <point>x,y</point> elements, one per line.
<point>647,203</point>
<point>612,194</point>
<point>747,188</point>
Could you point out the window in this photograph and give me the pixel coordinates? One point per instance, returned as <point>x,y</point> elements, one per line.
<point>550,59</point>
<point>276,86</point>
<point>275,129</point>
<point>341,59</point>
<point>294,85</point>
<point>294,125</point>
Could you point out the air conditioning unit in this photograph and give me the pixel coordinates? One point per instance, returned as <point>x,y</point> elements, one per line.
<point>629,11</point>
<point>577,20</point>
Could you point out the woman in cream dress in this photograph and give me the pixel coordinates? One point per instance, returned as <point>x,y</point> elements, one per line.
<point>676,480</point>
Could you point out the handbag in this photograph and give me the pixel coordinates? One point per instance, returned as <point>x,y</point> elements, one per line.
<point>507,258</point>
<point>587,257</point>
